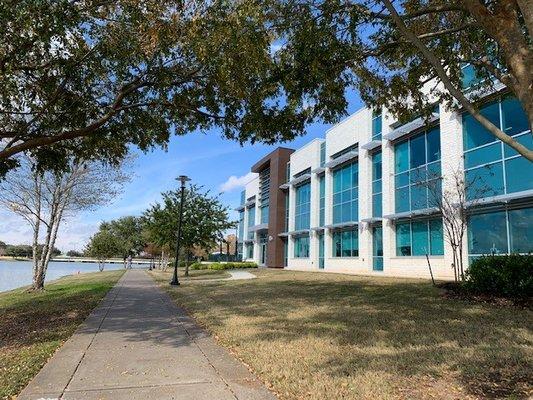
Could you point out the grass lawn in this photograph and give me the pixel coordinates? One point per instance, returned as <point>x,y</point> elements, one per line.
<point>330,336</point>
<point>34,325</point>
<point>198,274</point>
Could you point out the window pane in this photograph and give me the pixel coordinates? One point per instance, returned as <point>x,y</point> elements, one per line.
<point>419,198</point>
<point>521,228</point>
<point>526,140</point>
<point>401,157</point>
<point>418,175</point>
<point>418,151</point>
<point>484,181</point>
<point>337,244</point>
<point>518,174</point>
<point>377,206</point>
<point>403,239</point>
<point>402,179</point>
<point>355,243</point>
<point>376,166</point>
<point>434,170</point>
<point>433,141</point>
<point>420,238</point>
<point>346,178</point>
<point>346,244</point>
<point>483,155</point>
<point>336,181</point>
<point>436,238</point>
<point>487,234</point>
<point>336,214</point>
<point>402,199</point>
<point>514,117</point>
<point>474,133</point>
<point>376,186</point>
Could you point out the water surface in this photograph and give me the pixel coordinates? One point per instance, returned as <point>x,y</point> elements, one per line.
<point>14,274</point>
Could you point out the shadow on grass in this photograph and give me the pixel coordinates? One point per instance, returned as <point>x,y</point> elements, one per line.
<point>403,328</point>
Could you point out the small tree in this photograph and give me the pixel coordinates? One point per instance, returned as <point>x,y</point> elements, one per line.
<point>453,203</point>
<point>44,199</point>
<point>103,245</point>
<point>128,234</point>
<point>205,219</point>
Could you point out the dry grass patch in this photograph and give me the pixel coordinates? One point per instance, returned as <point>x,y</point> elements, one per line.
<point>326,336</point>
<point>33,325</point>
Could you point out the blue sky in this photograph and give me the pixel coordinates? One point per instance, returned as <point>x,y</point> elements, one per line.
<point>208,159</point>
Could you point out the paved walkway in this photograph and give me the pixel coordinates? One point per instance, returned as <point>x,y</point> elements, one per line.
<point>137,344</point>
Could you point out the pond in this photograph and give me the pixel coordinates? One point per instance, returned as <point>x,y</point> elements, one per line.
<point>14,274</point>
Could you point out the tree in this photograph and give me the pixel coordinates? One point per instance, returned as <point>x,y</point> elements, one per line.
<point>103,245</point>
<point>454,198</point>
<point>205,220</point>
<point>128,234</point>
<point>407,55</point>
<point>45,199</point>
<point>91,77</point>
<point>74,253</point>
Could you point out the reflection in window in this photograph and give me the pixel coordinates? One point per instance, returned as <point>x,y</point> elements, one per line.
<point>493,168</point>
<point>301,247</point>
<point>302,215</point>
<point>346,243</point>
<point>345,193</point>
<point>487,233</point>
<point>419,238</point>
<point>417,171</point>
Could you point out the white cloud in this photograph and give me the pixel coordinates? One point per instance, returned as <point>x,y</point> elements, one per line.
<point>235,182</point>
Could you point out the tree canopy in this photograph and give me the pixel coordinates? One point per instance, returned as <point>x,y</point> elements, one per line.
<point>128,234</point>
<point>89,78</point>
<point>408,55</point>
<point>204,222</point>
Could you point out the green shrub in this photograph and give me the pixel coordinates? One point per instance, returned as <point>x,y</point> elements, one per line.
<point>509,276</point>
<point>198,265</point>
<point>232,265</point>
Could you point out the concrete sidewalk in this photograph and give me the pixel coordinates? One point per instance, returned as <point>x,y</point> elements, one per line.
<point>137,344</point>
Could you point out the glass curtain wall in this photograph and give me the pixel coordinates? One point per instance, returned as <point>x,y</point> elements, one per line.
<point>345,193</point>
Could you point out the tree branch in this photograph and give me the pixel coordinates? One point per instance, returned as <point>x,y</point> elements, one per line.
<point>457,93</point>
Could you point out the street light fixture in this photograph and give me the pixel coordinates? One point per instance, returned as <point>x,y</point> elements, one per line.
<point>183,179</point>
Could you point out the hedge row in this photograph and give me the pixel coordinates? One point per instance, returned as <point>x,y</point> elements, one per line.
<point>508,276</point>
<point>222,266</point>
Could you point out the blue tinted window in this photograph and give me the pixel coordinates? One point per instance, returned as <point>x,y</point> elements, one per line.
<point>346,243</point>
<point>518,174</point>
<point>484,181</point>
<point>469,77</point>
<point>419,172</point>
<point>483,155</point>
<point>418,151</point>
<point>420,238</point>
<point>402,199</point>
<point>301,247</point>
<point>433,145</point>
<point>377,205</point>
<point>401,157</point>
<point>302,215</point>
<point>436,237</point>
<point>376,126</point>
<point>403,239</point>
<point>345,193</point>
<point>474,133</point>
<point>513,116</point>
<point>521,230</point>
<point>487,233</point>
<point>525,139</point>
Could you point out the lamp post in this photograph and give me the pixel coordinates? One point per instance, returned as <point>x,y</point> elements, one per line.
<point>182,179</point>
